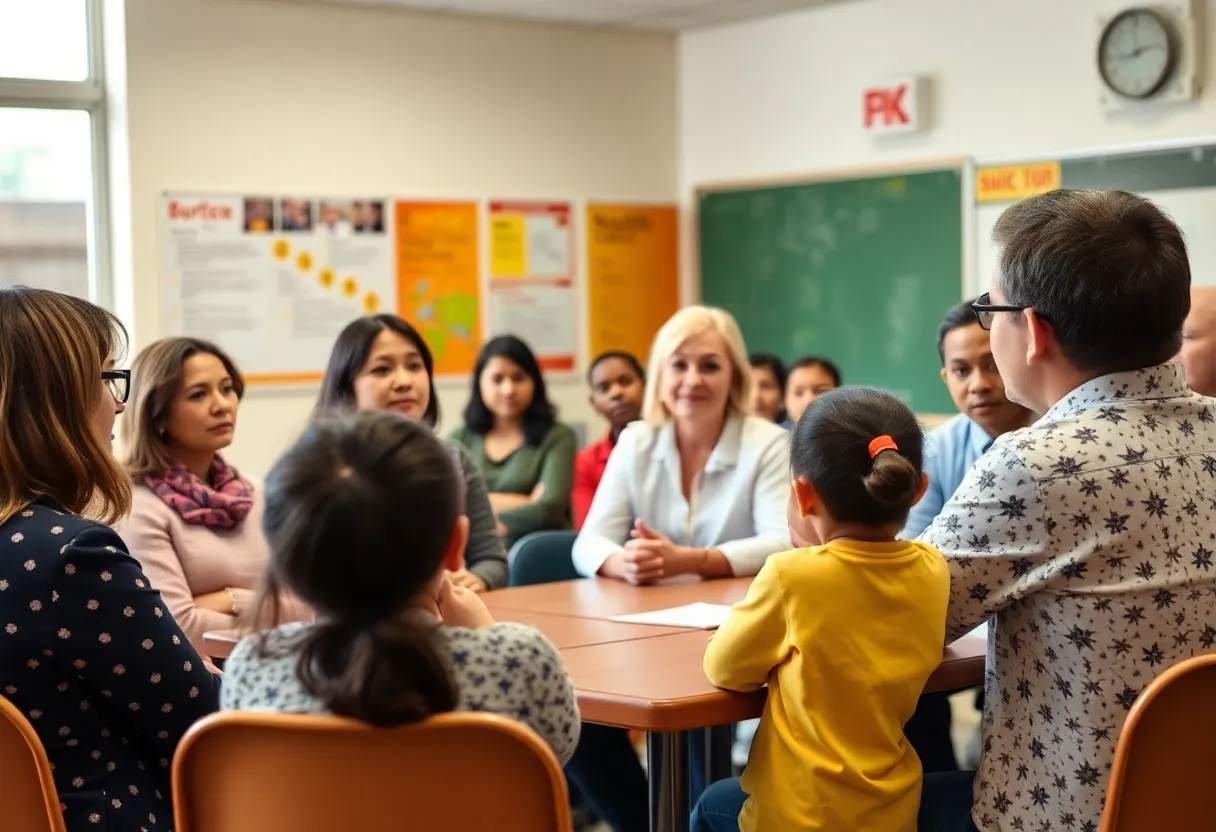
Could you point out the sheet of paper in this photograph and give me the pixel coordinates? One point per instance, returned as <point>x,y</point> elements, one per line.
<point>698,616</point>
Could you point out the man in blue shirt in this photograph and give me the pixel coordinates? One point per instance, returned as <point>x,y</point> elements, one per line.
<point>985,413</point>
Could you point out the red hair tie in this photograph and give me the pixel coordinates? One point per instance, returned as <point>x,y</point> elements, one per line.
<point>882,443</point>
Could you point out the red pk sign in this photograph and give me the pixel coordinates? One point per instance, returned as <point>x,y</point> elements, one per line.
<point>893,107</point>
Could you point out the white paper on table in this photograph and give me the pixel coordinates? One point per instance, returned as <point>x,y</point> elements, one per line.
<point>698,616</point>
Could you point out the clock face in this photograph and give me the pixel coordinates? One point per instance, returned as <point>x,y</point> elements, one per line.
<point>1136,53</point>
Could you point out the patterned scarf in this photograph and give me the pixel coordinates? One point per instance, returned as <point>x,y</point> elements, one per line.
<point>222,504</point>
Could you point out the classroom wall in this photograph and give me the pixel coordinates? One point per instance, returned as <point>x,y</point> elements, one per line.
<point>1009,77</point>
<point>254,96</point>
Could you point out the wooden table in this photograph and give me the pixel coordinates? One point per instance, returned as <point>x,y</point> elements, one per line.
<point>651,678</point>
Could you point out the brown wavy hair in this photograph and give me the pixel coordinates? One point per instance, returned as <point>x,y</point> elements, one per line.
<point>52,349</point>
<point>156,376</point>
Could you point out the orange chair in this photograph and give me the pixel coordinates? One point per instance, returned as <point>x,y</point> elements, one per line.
<point>241,771</point>
<point>30,803</point>
<point>1164,764</point>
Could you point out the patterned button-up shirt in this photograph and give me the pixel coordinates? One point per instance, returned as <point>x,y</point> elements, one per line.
<point>1090,536</point>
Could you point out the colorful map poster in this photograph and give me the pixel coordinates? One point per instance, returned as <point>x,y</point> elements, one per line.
<point>532,291</point>
<point>633,275</point>
<point>438,287</point>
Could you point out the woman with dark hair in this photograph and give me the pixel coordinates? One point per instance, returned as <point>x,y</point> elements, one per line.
<point>511,431</point>
<point>380,362</point>
<point>88,649</point>
<point>768,386</point>
<point>364,521</point>
<point>195,522</point>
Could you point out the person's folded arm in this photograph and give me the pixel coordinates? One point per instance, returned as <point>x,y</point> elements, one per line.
<point>548,510</point>
<point>754,638</point>
<point>151,543</point>
<point>769,499</point>
<point>996,535</point>
<point>612,511</point>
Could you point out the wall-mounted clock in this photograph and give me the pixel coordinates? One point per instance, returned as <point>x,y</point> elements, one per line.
<point>1137,53</point>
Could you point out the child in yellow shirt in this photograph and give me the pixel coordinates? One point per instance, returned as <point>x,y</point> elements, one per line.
<point>845,634</point>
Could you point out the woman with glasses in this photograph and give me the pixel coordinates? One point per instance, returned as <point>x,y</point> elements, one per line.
<point>88,650</point>
<point>196,523</point>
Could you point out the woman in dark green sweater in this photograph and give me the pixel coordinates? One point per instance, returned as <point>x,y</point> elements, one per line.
<point>512,434</point>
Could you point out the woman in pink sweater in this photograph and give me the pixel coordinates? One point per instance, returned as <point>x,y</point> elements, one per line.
<point>195,522</point>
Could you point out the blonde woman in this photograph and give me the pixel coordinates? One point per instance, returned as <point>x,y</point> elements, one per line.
<point>195,523</point>
<point>699,487</point>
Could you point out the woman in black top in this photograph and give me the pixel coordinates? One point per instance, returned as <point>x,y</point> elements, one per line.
<point>88,651</point>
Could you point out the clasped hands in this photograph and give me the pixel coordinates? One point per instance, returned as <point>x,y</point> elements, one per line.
<point>649,556</point>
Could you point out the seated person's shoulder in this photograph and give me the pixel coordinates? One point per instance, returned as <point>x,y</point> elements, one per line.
<point>763,431</point>
<point>561,433</point>
<point>44,523</point>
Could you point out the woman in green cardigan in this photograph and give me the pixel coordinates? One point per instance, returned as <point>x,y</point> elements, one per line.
<point>512,434</point>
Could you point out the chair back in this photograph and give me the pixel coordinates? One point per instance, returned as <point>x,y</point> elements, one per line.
<point>542,558</point>
<point>241,771</point>
<point>1164,762</point>
<point>31,803</point>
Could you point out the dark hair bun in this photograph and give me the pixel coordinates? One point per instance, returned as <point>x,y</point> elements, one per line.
<point>893,480</point>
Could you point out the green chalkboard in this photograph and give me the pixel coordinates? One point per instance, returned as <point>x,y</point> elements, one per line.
<point>861,271</point>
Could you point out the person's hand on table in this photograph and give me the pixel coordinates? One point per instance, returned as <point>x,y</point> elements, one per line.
<point>650,556</point>
<point>466,579</point>
<point>461,607</point>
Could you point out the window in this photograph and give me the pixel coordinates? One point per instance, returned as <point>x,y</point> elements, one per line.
<point>52,143</point>
<point>44,39</point>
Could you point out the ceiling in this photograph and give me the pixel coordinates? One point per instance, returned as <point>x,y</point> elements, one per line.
<point>660,15</point>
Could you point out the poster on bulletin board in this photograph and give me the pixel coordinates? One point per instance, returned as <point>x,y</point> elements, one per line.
<point>532,292</point>
<point>438,279</point>
<point>274,279</point>
<point>633,275</point>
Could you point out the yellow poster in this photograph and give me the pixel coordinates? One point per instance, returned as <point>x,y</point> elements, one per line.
<point>1010,183</point>
<point>633,274</point>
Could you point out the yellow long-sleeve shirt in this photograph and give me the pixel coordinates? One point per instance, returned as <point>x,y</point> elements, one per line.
<point>846,636</point>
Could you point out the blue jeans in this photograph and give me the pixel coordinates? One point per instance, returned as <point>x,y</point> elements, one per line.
<point>719,807</point>
<point>945,802</point>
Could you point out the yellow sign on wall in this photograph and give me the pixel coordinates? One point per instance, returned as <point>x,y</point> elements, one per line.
<point>1013,182</point>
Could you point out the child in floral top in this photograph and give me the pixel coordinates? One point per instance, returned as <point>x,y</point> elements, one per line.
<point>363,518</point>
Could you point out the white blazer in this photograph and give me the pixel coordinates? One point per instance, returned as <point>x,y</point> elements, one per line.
<point>738,503</point>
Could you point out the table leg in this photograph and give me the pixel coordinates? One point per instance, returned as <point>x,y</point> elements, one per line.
<point>719,740</point>
<point>667,761</point>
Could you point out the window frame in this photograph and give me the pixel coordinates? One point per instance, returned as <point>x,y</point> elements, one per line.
<point>87,95</point>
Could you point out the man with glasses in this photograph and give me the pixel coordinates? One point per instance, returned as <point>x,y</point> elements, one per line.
<point>975,386</point>
<point>1086,536</point>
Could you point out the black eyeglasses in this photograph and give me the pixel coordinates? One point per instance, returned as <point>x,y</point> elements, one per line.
<point>985,310</point>
<point>119,382</point>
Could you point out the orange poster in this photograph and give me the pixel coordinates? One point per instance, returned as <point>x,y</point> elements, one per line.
<point>633,274</point>
<point>438,290</point>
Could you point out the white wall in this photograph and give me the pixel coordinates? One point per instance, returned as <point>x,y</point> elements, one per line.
<point>263,96</point>
<point>1009,77</point>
